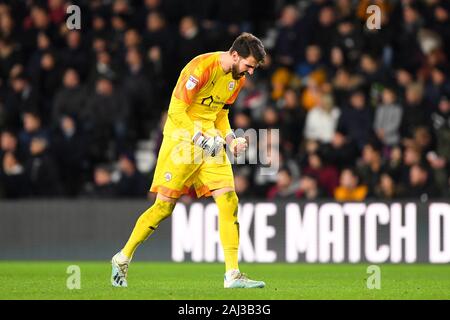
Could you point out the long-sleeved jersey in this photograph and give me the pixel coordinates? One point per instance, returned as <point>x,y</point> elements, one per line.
<point>201,99</point>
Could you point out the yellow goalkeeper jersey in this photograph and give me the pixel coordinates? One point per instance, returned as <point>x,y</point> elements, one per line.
<point>201,99</point>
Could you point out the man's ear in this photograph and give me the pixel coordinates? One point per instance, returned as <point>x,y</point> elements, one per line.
<point>235,56</point>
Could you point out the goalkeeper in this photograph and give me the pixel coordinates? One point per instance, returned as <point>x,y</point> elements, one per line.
<point>192,152</point>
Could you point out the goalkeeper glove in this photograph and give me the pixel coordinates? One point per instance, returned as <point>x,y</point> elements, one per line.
<point>211,145</point>
<point>238,145</point>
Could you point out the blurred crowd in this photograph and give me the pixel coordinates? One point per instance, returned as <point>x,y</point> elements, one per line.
<point>362,113</point>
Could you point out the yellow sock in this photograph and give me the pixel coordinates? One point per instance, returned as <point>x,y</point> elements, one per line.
<point>229,228</point>
<point>146,224</point>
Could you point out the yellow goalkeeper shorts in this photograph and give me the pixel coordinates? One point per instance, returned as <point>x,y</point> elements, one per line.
<point>181,165</point>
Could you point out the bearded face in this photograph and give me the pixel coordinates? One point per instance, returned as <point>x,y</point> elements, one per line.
<point>242,66</point>
<point>236,72</point>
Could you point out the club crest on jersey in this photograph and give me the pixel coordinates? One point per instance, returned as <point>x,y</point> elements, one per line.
<point>231,85</point>
<point>191,83</point>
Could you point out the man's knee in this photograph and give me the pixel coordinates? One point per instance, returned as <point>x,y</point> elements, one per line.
<point>218,192</point>
<point>160,210</point>
<point>164,198</point>
<point>228,204</point>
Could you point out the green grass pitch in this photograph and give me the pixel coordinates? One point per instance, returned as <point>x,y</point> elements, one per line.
<point>192,281</point>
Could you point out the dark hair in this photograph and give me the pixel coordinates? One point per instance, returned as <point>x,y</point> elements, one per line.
<point>248,45</point>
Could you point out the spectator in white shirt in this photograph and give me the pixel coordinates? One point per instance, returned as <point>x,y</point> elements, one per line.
<point>321,121</point>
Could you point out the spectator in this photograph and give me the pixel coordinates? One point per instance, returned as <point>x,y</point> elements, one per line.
<point>285,186</point>
<point>321,121</point>
<point>371,166</point>
<point>349,188</point>
<point>32,128</point>
<point>438,85</point>
<point>139,91</point>
<point>420,185</point>
<point>327,176</point>
<point>355,121</point>
<point>106,116</point>
<point>74,55</point>
<point>8,142</point>
<point>374,77</point>
<point>344,83</point>
<point>342,151</point>
<point>337,61</point>
<point>131,183</point>
<point>253,97</point>
<point>289,45</point>
<point>309,188</point>
<point>349,38</point>
<point>57,11</point>
<point>388,117</point>
<point>69,140</point>
<point>102,186</point>
<point>13,179</point>
<point>103,68</point>
<point>312,63</point>
<point>324,34</point>
<point>70,99</point>
<point>190,42</point>
<point>22,97</point>
<point>386,188</point>
<point>47,80</point>
<point>441,127</point>
<point>292,121</point>
<point>161,51</point>
<point>415,114</point>
<point>44,45</point>
<point>42,170</point>
<point>242,183</point>
<point>405,45</point>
